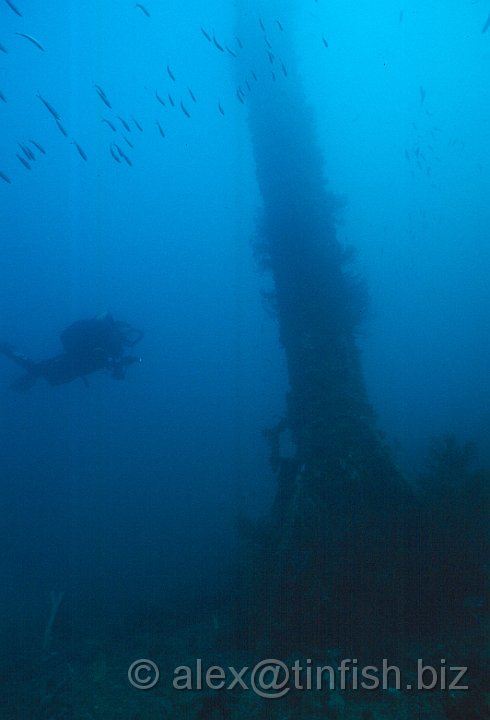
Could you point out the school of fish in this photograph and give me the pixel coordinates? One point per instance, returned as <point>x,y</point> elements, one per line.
<point>178,95</point>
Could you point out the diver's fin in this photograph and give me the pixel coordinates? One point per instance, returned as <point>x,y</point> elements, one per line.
<point>24,383</point>
<point>24,362</point>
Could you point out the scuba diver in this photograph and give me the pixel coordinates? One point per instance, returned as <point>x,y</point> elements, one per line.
<point>89,345</point>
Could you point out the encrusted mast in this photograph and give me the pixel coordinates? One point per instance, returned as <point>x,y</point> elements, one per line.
<point>336,524</point>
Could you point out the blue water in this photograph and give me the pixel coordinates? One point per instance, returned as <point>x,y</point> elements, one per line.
<point>124,495</point>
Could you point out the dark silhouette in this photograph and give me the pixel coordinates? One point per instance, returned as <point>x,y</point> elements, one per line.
<point>350,555</point>
<point>89,345</point>
<point>334,544</point>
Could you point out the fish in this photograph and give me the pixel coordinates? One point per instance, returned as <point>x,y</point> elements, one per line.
<point>239,42</point>
<point>239,96</point>
<point>105,101</point>
<point>128,141</point>
<point>124,123</point>
<point>267,42</point>
<point>220,108</point>
<point>3,49</point>
<point>137,124</point>
<point>271,56</point>
<point>400,16</point>
<point>486,26</point>
<point>206,35</point>
<point>159,98</point>
<point>184,109</point>
<point>100,90</point>
<point>407,155</point>
<point>220,47</point>
<point>49,107</point>
<point>81,151</point>
<point>284,69</point>
<point>422,94</point>
<point>193,97</point>
<point>61,128</point>
<point>27,151</point>
<point>13,8</point>
<point>254,76</point>
<point>31,39</point>
<point>5,178</point>
<point>143,9</point>
<point>261,24</point>
<point>171,75</point>
<point>273,75</point>
<point>111,125</point>
<point>23,161</point>
<point>2,97</point>
<point>103,98</point>
<point>114,154</point>
<point>233,54</point>
<point>123,155</point>
<point>38,146</point>
<point>279,25</point>
<point>325,42</point>
<point>248,85</point>
<point>160,129</point>
<point>171,100</point>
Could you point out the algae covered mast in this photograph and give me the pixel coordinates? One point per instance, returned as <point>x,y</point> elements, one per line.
<point>336,521</point>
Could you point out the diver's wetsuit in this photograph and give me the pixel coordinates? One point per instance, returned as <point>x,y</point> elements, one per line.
<point>89,345</point>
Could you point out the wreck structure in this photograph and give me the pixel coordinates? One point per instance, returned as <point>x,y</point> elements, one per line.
<point>345,555</point>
